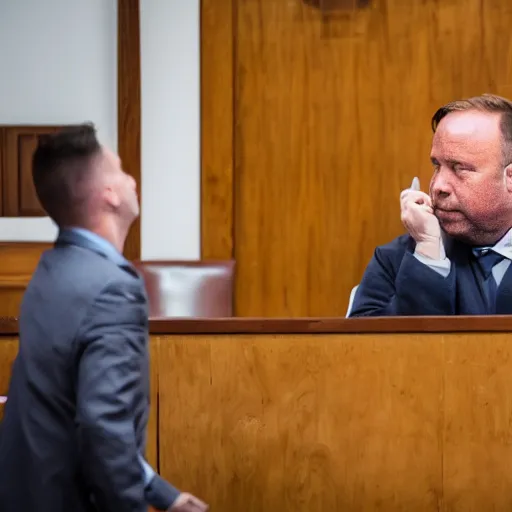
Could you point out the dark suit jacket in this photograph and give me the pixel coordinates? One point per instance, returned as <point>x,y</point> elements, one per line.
<point>395,283</point>
<point>75,420</point>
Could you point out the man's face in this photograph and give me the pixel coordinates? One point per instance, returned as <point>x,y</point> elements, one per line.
<point>469,189</point>
<point>121,189</point>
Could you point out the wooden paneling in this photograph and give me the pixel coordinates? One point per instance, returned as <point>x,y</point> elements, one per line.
<point>331,120</point>
<point>341,421</point>
<point>18,194</point>
<point>152,431</point>
<point>217,129</point>
<point>478,435</point>
<point>18,262</point>
<point>128,105</point>
<point>8,351</point>
<point>303,423</point>
<point>338,422</point>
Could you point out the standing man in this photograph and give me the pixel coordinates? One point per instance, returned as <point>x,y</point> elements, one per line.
<point>73,432</point>
<point>455,259</point>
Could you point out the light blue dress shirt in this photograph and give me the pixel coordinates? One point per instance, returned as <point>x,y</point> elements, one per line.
<point>503,247</point>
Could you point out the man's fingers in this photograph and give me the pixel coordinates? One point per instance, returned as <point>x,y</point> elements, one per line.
<point>189,503</point>
<point>416,197</point>
<point>200,505</point>
<point>192,503</point>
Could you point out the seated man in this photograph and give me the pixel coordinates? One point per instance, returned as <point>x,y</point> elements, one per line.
<point>455,259</point>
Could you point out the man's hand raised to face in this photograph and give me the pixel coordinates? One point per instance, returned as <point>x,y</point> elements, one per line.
<point>418,217</point>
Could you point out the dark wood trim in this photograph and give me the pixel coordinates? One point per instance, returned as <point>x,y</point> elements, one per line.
<point>128,104</point>
<point>217,129</point>
<point>12,190</point>
<point>387,325</point>
<point>2,167</point>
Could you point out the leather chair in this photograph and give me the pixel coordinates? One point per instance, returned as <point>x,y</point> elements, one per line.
<point>200,289</point>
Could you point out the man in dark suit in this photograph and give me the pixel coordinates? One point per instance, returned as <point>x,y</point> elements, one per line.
<point>73,432</point>
<point>455,259</point>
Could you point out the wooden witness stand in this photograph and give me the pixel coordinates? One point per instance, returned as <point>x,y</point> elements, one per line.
<point>386,414</point>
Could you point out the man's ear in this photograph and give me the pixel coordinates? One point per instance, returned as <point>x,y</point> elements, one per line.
<point>113,199</point>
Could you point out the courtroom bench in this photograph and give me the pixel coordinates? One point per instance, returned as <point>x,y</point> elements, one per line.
<point>382,414</point>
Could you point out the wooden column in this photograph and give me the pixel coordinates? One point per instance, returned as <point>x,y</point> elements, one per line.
<point>128,104</point>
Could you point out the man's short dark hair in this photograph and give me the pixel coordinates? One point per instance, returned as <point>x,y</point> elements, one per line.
<point>61,164</point>
<point>485,103</point>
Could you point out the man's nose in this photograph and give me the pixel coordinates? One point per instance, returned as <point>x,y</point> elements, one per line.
<point>439,186</point>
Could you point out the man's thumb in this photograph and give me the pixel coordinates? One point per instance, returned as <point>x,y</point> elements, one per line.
<point>415,185</point>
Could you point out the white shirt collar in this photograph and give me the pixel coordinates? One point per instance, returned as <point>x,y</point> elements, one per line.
<point>504,246</point>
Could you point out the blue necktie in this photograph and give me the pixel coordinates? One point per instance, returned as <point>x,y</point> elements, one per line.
<point>487,259</point>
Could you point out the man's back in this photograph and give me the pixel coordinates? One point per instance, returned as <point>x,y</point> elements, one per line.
<point>41,448</point>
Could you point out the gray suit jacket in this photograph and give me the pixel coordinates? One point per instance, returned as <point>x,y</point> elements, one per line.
<point>75,420</point>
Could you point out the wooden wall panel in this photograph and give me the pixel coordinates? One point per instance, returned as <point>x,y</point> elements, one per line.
<point>333,422</point>
<point>128,105</point>
<point>340,421</point>
<point>217,47</point>
<point>408,422</point>
<point>18,143</point>
<point>152,430</point>
<point>18,261</point>
<point>331,121</point>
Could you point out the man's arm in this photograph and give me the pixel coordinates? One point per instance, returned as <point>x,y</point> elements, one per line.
<point>415,289</point>
<point>113,345</point>
<point>159,493</point>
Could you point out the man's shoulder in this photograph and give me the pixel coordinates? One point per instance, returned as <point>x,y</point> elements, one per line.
<point>84,265</point>
<point>74,273</point>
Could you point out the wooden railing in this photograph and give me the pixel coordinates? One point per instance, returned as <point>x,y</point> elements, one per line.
<point>331,414</point>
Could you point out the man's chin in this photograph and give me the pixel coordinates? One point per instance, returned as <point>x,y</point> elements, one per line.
<point>455,230</point>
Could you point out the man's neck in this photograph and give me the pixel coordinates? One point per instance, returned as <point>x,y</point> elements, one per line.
<point>108,232</point>
<point>115,238</point>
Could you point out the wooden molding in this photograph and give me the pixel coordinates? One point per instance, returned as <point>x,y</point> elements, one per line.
<point>217,139</point>
<point>389,325</point>
<point>128,104</point>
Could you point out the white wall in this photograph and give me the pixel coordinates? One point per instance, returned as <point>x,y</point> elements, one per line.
<point>171,203</point>
<point>58,60</point>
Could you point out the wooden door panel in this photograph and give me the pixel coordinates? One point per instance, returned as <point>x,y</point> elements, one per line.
<point>331,120</point>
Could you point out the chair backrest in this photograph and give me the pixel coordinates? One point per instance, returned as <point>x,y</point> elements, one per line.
<point>351,300</point>
<point>201,289</point>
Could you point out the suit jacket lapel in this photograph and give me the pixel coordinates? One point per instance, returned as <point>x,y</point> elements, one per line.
<point>470,298</point>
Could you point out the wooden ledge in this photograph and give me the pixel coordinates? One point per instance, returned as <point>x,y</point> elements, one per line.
<point>426,324</point>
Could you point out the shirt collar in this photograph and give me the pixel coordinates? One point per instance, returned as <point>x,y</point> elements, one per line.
<point>504,245</point>
<point>94,241</point>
